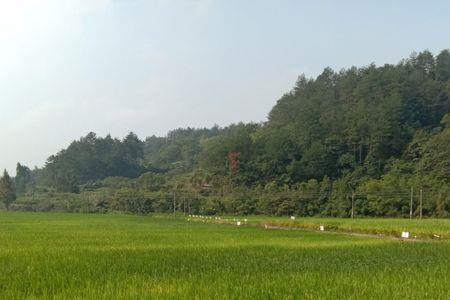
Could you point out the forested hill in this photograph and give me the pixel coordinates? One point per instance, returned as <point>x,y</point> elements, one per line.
<point>376,131</point>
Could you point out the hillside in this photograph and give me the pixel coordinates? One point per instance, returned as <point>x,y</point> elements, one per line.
<point>364,135</point>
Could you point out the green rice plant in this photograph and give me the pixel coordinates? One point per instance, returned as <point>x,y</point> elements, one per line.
<point>81,256</point>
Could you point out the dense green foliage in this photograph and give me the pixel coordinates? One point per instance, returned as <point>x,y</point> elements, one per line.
<point>80,256</point>
<point>92,158</point>
<point>372,133</point>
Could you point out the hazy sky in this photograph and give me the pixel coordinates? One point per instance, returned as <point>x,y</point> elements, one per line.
<point>68,67</point>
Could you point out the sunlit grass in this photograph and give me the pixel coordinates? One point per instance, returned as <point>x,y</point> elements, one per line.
<point>66,256</point>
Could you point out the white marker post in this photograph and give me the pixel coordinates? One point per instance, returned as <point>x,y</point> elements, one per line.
<point>405,234</point>
<point>322,228</point>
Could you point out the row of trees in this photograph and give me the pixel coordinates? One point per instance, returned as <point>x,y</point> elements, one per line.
<point>371,131</point>
<point>92,158</point>
<point>157,193</point>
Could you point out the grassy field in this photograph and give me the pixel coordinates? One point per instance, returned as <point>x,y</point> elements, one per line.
<point>66,256</point>
<point>421,229</point>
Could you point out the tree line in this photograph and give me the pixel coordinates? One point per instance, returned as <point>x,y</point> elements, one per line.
<point>374,132</point>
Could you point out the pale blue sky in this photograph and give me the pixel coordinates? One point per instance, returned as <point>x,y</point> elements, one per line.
<point>68,67</point>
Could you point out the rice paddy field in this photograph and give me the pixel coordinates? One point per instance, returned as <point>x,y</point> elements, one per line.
<point>80,256</point>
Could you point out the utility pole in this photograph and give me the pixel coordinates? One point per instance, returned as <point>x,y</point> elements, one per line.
<point>411,204</point>
<point>360,152</point>
<point>174,203</point>
<point>421,203</point>
<point>353,204</point>
<point>189,205</point>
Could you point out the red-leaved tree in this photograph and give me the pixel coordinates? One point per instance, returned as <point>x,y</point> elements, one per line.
<point>233,158</point>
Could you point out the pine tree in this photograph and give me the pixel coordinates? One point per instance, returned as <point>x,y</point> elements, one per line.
<point>7,193</point>
<point>23,179</point>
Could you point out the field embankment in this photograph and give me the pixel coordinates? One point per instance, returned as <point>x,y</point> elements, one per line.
<point>436,229</point>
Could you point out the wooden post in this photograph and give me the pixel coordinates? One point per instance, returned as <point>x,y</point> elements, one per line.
<point>411,204</point>
<point>421,203</point>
